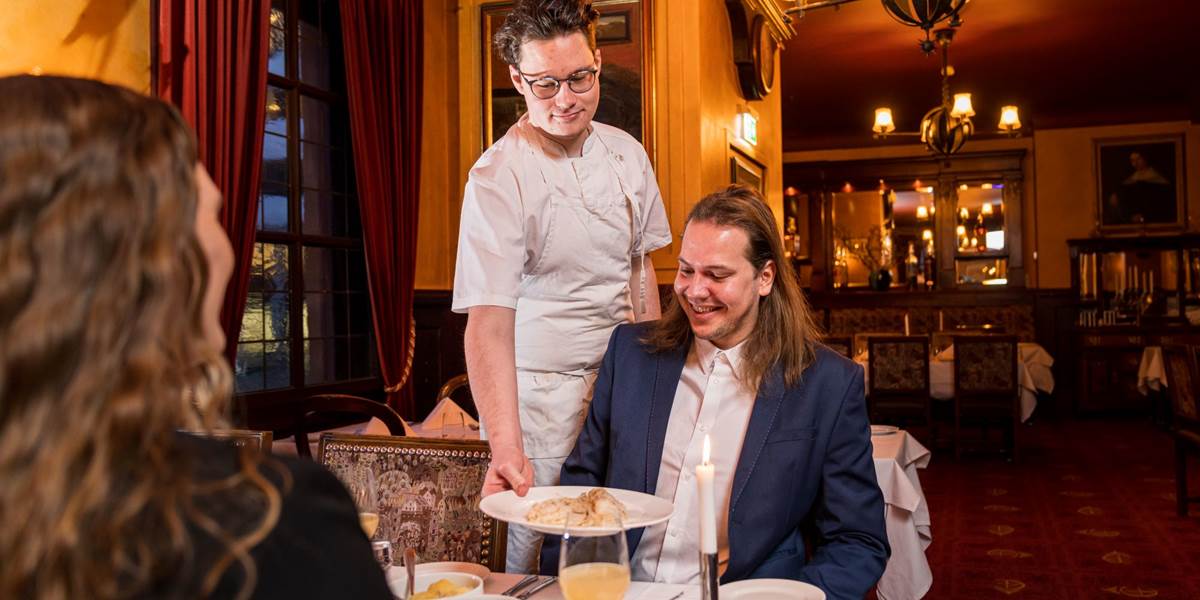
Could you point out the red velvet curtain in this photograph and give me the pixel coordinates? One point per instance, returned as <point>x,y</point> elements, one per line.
<point>383,50</point>
<point>213,66</point>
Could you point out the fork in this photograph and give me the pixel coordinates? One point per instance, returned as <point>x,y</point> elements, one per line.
<point>537,588</point>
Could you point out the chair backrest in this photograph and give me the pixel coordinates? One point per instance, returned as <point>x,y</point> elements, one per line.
<point>452,385</point>
<point>334,404</point>
<point>428,492</point>
<point>943,339</point>
<point>985,366</point>
<point>1182,379</point>
<point>255,440</point>
<point>899,365</point>
<point>841,344</point>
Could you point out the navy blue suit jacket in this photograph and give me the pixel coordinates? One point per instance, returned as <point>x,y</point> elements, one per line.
<point>805,470</point>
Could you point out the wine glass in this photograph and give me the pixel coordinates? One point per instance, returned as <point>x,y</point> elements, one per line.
<point>453,418</point>
<point>362,489</point>
<point>593,566</point>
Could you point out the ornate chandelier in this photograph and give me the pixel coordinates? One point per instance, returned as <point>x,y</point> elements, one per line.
<point>946,127</point>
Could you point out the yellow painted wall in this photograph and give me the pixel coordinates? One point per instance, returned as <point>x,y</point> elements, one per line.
<point>442,180</point>
<point>101,39</point>
<point>1066,187</point>
<point>698,96</point>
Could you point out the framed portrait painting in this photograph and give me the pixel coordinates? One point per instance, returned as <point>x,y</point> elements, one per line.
<point>623,35</point>
<point>1140,184</point>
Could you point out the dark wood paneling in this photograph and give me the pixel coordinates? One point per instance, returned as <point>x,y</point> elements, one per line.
<point>439,350</point>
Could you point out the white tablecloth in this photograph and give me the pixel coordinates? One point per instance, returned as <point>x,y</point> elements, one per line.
<point>1033,370</point>
<point>897,458</point>
<point>1152,375</point>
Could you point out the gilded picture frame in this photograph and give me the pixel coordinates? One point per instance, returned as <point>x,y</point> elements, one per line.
<point>1140,184</point>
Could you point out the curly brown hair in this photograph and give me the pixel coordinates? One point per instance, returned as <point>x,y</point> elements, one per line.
<point>102,359</point>
<point>544,20</point>
<point>785,333</point>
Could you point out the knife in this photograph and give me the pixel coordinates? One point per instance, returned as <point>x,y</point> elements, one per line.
<point>528,579</point>
<point>537,588</point>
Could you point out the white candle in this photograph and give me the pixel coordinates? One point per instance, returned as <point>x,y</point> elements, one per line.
<point>905,323</point>
<point>708,513</point>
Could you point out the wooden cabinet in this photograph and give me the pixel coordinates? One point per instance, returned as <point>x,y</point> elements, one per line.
<point>1130,293</point>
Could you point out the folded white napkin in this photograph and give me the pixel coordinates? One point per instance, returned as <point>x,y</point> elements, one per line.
<point>451,412</point>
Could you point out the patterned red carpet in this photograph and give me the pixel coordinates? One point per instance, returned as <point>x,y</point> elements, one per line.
<point>1089,512</point>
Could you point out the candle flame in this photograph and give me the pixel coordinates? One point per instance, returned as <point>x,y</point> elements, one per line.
<point>707,449</point>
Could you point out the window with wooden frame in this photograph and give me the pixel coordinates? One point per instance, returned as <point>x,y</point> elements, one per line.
<point>307,322</point>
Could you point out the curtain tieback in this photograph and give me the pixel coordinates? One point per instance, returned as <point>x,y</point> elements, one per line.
<point>412,346</point>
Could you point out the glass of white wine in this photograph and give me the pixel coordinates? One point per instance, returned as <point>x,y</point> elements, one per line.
<point>593,567</point>
<point>362,488</point>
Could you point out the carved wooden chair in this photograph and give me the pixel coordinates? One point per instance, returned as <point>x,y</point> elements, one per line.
<point>986,388</point>
<point>898,382</point>
<point>326,405</point>
<point>843,345</point>
<point>1183,377</point>
<point>428,492</point>
<point>255,440</point>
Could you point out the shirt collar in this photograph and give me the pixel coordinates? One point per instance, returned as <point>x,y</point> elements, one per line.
<point>552,148</point>
<point>707,353</point>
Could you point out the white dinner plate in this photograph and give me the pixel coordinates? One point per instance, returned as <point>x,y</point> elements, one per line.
<point>475,569</point>
<point>884,429</point>
<point>641,509</point>
<point>770,589</point>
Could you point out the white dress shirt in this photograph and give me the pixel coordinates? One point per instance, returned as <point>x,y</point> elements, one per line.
<point>710,400</point>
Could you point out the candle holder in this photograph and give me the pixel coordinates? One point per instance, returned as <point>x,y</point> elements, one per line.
<point>708,576</point>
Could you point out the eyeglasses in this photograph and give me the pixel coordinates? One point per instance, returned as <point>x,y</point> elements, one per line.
<point>547,87</point>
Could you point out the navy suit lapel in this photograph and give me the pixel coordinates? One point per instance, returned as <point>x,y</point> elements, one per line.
<point>668,366</point>
<point>762,419</point>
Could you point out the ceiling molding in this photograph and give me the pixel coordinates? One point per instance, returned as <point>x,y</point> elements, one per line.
<point>777,22</point>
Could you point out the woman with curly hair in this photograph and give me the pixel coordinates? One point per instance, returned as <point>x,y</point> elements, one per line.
<point>112,268</point>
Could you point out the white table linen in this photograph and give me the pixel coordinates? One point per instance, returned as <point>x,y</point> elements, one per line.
<point>1152,374</point>
<point>906,513</point>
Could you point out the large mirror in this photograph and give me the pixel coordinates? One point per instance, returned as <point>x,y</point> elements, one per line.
<point>981,239</point>
<point>884,238</point>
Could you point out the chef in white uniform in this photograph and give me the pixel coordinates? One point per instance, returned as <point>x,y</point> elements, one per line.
<point>557,219</point>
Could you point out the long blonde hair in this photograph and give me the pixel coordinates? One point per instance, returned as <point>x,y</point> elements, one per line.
<point>785,333</point>
<point>102,358</point>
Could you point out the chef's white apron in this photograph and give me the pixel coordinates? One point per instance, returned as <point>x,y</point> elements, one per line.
<point>569,303</point>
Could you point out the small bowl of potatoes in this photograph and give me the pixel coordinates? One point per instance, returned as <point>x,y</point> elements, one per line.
<point>432,586</point>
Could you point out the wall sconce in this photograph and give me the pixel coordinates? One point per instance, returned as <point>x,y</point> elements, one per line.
<point>922,213</point>
<point>927,234</point>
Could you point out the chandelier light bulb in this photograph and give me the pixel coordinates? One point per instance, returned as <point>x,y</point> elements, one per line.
<point>960,231</point>
<point>987,208</point>
<point>922,212</point>
<point>883,121</point>
<point>1010,120</point>
<point>927,234</point>
<point>964,214</point>
<point>962,106</point>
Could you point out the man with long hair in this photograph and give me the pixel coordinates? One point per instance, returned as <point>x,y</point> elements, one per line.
<point>736,359</point>
<point>558,216</point>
